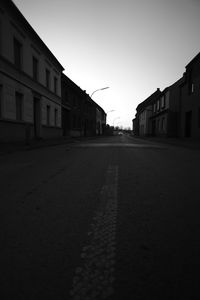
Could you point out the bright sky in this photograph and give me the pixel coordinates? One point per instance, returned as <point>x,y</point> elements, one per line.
<point>132,46</point>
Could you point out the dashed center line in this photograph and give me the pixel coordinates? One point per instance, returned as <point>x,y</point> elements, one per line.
<point>95,276</point>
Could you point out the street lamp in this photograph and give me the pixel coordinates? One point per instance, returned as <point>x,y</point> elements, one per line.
<point>110,111</point>
<point>99,90</point>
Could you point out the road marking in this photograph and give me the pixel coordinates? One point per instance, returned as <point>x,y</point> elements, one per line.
<point>94,278</point>
<point>129,145</point>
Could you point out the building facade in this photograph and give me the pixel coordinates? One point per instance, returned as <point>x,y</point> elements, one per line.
<point>176,112</point>
<point>73,108</point>
<point>190,100</point>
<point>81,115</point>
<point>30,81</point>
<point>142,122</point>
<point>160,114</point>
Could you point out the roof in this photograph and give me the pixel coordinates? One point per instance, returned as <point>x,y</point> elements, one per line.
<point>149,100</point>
<point>195,59</point>
<point>72,84</point>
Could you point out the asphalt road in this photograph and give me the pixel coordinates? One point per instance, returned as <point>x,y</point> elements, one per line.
<point>107,218</point>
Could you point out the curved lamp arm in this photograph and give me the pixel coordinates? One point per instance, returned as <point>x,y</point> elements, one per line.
<point>99,90</point>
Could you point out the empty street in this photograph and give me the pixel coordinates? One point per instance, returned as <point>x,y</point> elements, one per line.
<point>104,218</point>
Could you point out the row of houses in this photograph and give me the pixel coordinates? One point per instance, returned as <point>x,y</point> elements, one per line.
<point>175,111</point>
<point>37,100</point>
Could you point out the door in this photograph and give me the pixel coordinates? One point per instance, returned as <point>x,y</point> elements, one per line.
<point>188,123</point>
<point>66,121</point>
<point>153,127</point>
<point>37,117</point>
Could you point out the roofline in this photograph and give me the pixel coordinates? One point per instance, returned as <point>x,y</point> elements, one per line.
<point>11,5</point>
<point>149,98</point>
<point>193,60</point>
<point>66,78</point>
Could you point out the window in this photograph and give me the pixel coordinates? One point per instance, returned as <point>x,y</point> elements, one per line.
<point>47,78</point>
<point>154,107</point>
<point>48,115</point>
<point>158,125</point>
<point>162,102</point>
<point>163,124</point>
<point>0,36</point>
<point>79,122</point>
<point>1,100</point>
<point>74,121</point>
<point>56,116</point>
<point>158,105</point>
<point>35,68</point>
<point>66,97</point>
<point>19,106</point>
<point>190,84</point>
<point>199,117</point>
<point>191,87</point>
<point>17,54</point>
<point>55,85</point>
<point>74,101</point>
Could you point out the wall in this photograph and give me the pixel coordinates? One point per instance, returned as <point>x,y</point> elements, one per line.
<point>14,80</point>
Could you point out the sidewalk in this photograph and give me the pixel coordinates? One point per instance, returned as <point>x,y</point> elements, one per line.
<point>7,148</point>
<point>179,142</point>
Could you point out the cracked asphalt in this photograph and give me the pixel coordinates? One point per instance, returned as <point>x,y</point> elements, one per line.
<point>109,218</point>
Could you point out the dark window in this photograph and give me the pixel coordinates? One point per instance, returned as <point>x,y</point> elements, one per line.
<point>74,101</point>
<point>190,84</point>
<point>19,106</point>
<point>199,117</point>
<point>55,85</point>
<point>158,125</point>
<point>79,122</point>
<point>66,97</point>
<point>74,121</point>
<point>47,78</point>
<point>17,54</point>
<point>163,124</point>
<point>56,116</point>
<point>35,68</point>
<point>48,115</point>
<point>0,36</point>
<point>163,102</point>
<point>158,105</point>
<point>1,100</point>
<point>191,87</point>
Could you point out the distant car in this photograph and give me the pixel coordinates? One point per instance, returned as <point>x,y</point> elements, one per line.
<point>120,133</point>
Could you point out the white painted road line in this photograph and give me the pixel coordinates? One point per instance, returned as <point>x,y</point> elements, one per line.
<point>94,278</point>
<point>129,145</point>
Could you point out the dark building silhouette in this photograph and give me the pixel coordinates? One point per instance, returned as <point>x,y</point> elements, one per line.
<point>142,122</point>
<point>190,100</point>
<point>81,116</point>
<point>174,112</point>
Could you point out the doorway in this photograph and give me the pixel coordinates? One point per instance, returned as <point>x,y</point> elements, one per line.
<point>188,123</point>
<point>36,117</point>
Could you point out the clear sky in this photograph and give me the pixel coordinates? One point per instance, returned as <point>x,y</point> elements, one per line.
<point>132,46</point>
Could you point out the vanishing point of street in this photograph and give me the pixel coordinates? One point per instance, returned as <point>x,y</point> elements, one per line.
<point>106,218</point>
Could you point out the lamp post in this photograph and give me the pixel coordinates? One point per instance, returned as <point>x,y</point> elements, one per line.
<point>110,111</point>
<point>99,90</point>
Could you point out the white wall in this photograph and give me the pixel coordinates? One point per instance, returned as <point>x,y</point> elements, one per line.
<point>12,83</point>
